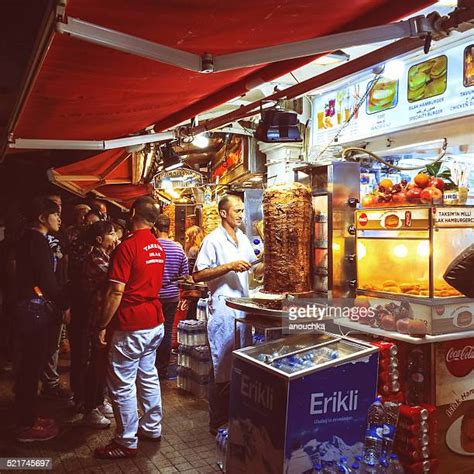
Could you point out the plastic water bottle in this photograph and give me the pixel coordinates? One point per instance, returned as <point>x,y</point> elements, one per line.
<point>355,468</point>
<point>374,434</point>
<point>384,466</point>
<point>392,410</point>
<point>328,467</point>
<point>343,467</point>
<point>219,448</point>
<point>224,451</point>
<point>395,465</point>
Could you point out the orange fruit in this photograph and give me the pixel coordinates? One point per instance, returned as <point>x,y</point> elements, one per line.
<point>422,180</point>
<point>386,183</point>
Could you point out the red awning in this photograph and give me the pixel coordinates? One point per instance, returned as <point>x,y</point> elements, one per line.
<point>89,92</point>
<point>109,174</point>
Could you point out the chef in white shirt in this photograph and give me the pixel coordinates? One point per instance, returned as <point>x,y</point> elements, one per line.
<point>223,262</point>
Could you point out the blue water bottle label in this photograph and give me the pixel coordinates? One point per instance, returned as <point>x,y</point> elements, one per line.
<point>375,432</point>
<point>388,431</point>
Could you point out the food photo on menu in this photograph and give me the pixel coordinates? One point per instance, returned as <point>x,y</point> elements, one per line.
<point>427,79</point>
<point>383,95</point>
<point>468,75</point>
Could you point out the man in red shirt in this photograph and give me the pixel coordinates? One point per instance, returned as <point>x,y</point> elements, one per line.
<point>134,320</point>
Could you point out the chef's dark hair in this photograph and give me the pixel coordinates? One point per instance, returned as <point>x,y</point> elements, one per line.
<point>224,201</point>
<point>163,223</point>
<point>40,206</point>
<point>146,209</point>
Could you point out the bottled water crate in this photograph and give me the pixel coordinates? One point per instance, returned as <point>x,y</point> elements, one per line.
<point>299,401</point>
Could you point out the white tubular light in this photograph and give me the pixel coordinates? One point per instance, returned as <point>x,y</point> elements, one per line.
<point>34,144</point>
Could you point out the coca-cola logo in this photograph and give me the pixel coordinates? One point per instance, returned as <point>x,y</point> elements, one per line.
<point>459,357</point>
<point>363,219</point>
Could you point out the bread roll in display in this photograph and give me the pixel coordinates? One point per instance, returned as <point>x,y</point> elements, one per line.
<point>287,213</point>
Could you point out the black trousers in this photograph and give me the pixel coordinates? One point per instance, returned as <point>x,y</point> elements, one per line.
<point>95,377</point>
<point>163,352</point>
<point>219,402</point>
<point>34,331</point>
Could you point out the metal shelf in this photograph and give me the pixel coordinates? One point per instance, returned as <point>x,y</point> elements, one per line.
<point>403,337</point>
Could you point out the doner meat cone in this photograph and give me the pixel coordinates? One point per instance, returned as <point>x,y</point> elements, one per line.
<point>287,213</point>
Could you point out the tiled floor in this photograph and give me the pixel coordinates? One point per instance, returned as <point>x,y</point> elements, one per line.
<point>186,444</point>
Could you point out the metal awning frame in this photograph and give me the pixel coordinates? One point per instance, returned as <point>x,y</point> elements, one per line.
<point>419,26</point>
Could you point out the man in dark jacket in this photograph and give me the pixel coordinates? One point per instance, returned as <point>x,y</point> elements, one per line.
<point>39,303</point>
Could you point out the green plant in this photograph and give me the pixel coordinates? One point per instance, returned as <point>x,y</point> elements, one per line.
<point>435,171</point>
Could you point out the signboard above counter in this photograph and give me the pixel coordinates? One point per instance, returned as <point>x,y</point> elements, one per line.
<point>432,88</point>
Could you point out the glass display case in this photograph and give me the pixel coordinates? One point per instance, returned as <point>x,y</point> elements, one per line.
<point>298,401</point>
<point>404,251</point>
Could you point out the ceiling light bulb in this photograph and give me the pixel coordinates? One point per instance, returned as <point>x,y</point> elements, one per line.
<point>201,140</point>
<point>394,69</point>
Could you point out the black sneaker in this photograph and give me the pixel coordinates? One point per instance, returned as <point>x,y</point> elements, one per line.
<point>57,393</point>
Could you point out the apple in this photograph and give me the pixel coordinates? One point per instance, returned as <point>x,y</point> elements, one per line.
<point>437,183</point>
<point>422,180</point>
<point>400,197</point>
<point>431,195</point>
<point>414,194</point>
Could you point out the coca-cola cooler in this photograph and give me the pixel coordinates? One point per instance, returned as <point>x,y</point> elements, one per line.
<point>454,391</point>
<point>298,401</point>
<point>435,384</point>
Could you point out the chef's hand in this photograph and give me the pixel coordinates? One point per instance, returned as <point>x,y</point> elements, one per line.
<point>101,343</point>
<point>239,266</point>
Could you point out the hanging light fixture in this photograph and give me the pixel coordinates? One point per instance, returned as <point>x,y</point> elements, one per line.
<point>201,140</point>
<point>171,160</point>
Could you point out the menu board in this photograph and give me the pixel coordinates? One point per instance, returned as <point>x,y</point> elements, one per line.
<point>433,87</point>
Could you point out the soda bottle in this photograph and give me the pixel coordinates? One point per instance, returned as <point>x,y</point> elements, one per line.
<point>416,373</point>
<point>390,426</point>
<point>395,466</point>
<point>374,434</point>
<point>429,466</point>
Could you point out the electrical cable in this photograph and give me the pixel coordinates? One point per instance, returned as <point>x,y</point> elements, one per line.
<point>348,150</point>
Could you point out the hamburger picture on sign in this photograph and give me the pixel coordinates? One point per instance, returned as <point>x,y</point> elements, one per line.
<point>383,95</point>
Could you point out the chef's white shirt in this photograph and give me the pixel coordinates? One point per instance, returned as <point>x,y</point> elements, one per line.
<point>219,248</point>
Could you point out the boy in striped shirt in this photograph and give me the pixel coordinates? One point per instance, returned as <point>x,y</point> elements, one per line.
<point>176,265</point>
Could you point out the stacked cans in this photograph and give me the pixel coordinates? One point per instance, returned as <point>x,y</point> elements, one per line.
<point>389,375</point>
<point>194,358</point>
<point>415,442</point>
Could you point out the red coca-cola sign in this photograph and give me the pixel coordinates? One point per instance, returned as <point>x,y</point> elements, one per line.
<point>363,219</point>
<point>459,357</point>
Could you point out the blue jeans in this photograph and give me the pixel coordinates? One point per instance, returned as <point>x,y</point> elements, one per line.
<point>132,375</point>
